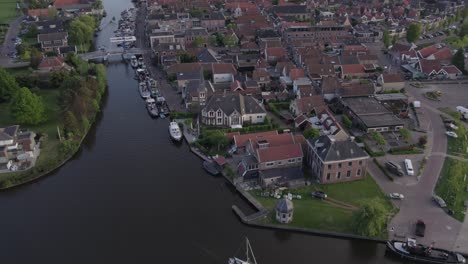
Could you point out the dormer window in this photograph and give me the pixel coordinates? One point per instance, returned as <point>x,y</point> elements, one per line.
<point>211,114</point>
<point>219,113</point>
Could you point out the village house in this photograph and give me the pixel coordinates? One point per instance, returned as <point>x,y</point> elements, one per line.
<point>334,160</point>
<point>324,122</point>
<point>391,81</point>
<point>16,145</point>
<point>223,72</point>
<point>53,41</point>
<point>232,110</point>
<point>49,26</point>
<point>307,105</point>
<point>54,63</point>
<point>270,158</point>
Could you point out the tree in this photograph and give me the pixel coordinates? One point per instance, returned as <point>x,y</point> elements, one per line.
<point>371,218</point>
<point>405,134</point>
<point>459,60</point>
<point>394,39</point>
<point>72,127</point>
<point>81,30</point>
<point>35,57</point>
<point>229,41</point>
<point>464,13</point>
<point>8,86</point>
<point>198,41</point>
<point>378,138</point>
<point>463,30</point>
<point>413,33</point>
<point>386,39</point>
<point>186,58</point>
<point>28,108</point>
<point>346,121</point>
<point>311,133</point>
<point>422,140</point>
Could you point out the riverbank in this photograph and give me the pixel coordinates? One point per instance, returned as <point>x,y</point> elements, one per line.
<point>59,141</point>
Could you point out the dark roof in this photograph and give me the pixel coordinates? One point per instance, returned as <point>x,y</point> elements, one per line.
<point>49,26</point>
<point>290,9</point>
<point>189,75</point>
<point>229,103</point>
<point>332,150</point>
<point>381,120</point>
<point>64,50</point>
<point>52,36</point>
<point>11,130</point>
<point>284,206</point>
<point>267,33</point>
<point>287,174</point>
<point>206,56</point>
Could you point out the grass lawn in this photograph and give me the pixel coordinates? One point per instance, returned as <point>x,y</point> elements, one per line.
<point>457,146</point>
<point>8,10</point>
<point>19,71</point>
<point>454,170</point>
<point>49,147</point>
<point>315,214</point>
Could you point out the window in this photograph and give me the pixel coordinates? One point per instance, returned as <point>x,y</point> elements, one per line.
<point>259,117</point>
<point>360,162</point>
<point>348,174</point>
<point>280,162</point>
<point>339,165</point>
<point>299,159</point>
<point>220,120</point>
<point>328,176</point>
<point>291,160</point>
<point>350,164</point>
<point>338,175</point>
<point>219,113</point>
<point>269,164</point>
<point>211,114</point>
<point>329,166</point>
<point>358,173</point>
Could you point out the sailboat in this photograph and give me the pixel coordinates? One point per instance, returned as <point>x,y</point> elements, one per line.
<point>248,252</point>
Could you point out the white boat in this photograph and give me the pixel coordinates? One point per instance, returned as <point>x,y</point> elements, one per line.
<point>174,131</point>
<point>134,62</point>
<point>248,252</point>
<point>151,107</point>
<point>144,91</point>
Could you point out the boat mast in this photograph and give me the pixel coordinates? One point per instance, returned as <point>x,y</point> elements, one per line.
<point>249,248</point>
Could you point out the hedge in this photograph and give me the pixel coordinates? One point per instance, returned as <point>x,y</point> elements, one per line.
<point>382,169</point>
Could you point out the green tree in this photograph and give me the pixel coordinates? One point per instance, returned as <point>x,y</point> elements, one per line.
<point>413,33</point>
<point>386,39</point>
<point>459,60</point>
<point>463,30</point>
<point>346,121</point>
<point>378,138</point>
<point>371,218</point>
<point>229,41</point>
<point>8,86</point>
<point>187,58</point>
<point>198,41</point>
<point>464,13</point>
<point>36,57</point>
<point>72,127</point>
<point>405,134</point>
<point>311,133</point>
<point>28,108</point>
<point>81,31</point>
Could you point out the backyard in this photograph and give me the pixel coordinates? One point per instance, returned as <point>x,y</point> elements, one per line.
<point>330,214</point>
<point>452,186</point>
<point>8,10</point>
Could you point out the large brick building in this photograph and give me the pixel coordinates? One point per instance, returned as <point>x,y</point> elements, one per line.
<point>336,160</point>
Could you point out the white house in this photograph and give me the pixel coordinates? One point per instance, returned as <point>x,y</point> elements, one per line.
<point>232,110</point>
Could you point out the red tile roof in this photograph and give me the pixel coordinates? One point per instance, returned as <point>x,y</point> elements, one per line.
<point>296,73</point>
<point>352,68</point>
<point>280,153</point>
<point>307,104</point>
<point>427,51</point>
<point>62,3</point>
<point>39,12</point>
<point>242,140</point>
<point>392,78</point>
<point>51,62</point>
<point>278,52</point>
<point>451,69</point>
<point>443,54</point>
<point>220,68</point>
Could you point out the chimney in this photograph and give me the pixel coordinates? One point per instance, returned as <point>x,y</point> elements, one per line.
<point>351,138</point>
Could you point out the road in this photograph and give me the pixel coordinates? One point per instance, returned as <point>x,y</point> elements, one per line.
<point>9,46</point>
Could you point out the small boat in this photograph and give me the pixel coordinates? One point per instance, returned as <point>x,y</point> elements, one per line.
<point>174,131</point>
<point>151,107</point>
<point>153,88</point>
<point>248,252</point>
<point>210,167</point>
<point>423,254</point>
<point>134,61</point>
<point>144,91</point>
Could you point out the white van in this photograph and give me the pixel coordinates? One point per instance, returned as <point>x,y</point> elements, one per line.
<point>409,167</point>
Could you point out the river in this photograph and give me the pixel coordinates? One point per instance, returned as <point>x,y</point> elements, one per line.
<point>132,196</point>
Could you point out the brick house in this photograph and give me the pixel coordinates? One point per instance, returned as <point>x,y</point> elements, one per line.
<point>336,161</point>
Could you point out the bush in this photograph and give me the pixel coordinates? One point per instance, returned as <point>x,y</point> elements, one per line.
<point>384,171</point>
<point>347,122</point>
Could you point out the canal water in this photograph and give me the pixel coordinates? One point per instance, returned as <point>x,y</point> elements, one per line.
<point>132,196</point>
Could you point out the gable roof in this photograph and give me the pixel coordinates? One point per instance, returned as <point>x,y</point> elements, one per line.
<point>352,69</point>
<point>392,78</point>
<point>332,150</point>
<point>242,140</point>
<point>8,133</point>
<point>220,68</point>
<point>52,36</point>
<point>427,51</point>
<point>51,62</point>
<point>356,89</point>
<point>307,104</point>
<point>234,102</point>
<point>443,54</point>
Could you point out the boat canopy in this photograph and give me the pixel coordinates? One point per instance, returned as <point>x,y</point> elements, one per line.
<point>150,100</point>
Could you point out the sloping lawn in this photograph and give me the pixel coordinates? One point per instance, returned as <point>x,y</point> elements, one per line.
<point>8,10</point>
<point>319,215</point>
<point>453,173</point>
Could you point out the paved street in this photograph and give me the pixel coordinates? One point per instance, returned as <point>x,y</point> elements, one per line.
<point>9,46</point>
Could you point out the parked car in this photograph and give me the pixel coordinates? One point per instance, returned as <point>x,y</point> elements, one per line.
<point>409,167</point>
<point>420,228</point>
<point>451,134</point>
<point>319,194</point>
<point>396,196</point>
<point>439,201</point>
<point>394,168</point>
<point>452,126</point>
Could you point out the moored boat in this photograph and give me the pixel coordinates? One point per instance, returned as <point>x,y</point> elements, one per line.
<point>249,253</point>
<point>151,107</point>
<point>134,62</point>
<point>424,254</point>
<point>144,91</point>
<point>174,131</point>
<point>140,62</point>
<point>210,167</point>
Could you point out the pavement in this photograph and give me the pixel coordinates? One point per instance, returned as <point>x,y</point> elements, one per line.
<point>9,46</point>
